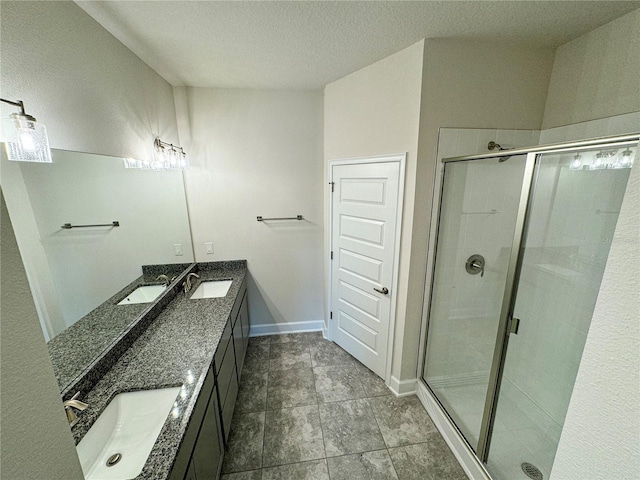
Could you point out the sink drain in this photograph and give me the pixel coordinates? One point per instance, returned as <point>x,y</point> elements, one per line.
<point>116,457</point>
<point>532,471</point>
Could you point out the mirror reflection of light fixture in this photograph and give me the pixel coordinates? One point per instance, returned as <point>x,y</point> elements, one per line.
<point>598,163</point>
<point>604,160</point>
<point>25,139</point>
<point>576,164</point>
<point>167,156</point>
<point>627,158</point>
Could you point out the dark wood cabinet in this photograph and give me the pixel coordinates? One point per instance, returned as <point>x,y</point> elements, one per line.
<point>209,449</point>
<point>202,450</point>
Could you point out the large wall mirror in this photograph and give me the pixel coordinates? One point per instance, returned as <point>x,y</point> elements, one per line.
<point>74,271</point>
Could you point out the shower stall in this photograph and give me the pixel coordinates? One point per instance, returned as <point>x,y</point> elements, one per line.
<point>521,244</point>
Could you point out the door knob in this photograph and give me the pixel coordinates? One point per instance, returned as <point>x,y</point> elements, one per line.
<point>384,290</point>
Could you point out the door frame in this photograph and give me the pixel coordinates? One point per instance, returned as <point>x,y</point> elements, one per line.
<point>401,159</point>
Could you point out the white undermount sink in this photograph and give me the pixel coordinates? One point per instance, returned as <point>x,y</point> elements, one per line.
<point>143,294</point>
<point>212,289</point>
<point>129,426</point>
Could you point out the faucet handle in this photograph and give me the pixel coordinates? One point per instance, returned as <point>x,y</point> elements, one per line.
<point>70,405</point>
<point>187,282</point>
<point>75,403</point>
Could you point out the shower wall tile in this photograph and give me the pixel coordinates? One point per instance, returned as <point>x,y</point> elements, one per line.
<point>467,142</point>
<point>621,124</point>
<point>468,301</point>
<point>447,143</point>
<point>471,303</point>
<point>484,137</point>
<point>618,125</point>
<point>555,305</point>
<point>581,130</point>
<point>515,138</point>
<point>595,128</point>
<point>553,135</point>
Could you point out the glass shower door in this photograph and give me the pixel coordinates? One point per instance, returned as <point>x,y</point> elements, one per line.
<point>478,210</point>
<point>572,216</point>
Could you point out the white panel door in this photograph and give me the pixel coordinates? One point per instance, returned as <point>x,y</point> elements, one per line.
<point>364,221</point>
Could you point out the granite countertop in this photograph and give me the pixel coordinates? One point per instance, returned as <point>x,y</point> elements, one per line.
<point>175,350</point>
<point>92,334</point>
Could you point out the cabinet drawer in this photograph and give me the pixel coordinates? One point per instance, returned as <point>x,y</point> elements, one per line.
<point>207,455</point>
<point>222,347</point>
<point>238,344</point>
<point>183,458</point>
<point>226,372</point>
<point>228,406</point>
<point>236,304</point>
<point>191,473</point>
<point>244,318</point>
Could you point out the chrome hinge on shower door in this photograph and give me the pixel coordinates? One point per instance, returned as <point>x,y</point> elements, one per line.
<point>514,325</point>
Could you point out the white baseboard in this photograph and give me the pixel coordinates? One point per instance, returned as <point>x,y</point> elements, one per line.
<point>325,332</point>
<point>291,327</point>
<point>402,388</point>
<point>463,453</point>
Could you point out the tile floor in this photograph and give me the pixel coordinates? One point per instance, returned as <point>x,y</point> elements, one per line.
<point>306,409</point>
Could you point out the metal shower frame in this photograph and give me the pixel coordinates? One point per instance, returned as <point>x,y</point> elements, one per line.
<point>514,267</point>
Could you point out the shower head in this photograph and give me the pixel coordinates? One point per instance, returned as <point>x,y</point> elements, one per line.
<point>496,146</point>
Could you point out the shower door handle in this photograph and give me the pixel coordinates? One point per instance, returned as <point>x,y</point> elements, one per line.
<point>514,325</point>
<point>384,290</point>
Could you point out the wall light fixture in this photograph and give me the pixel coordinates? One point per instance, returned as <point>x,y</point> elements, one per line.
<point>25,139</point>
<point>170,156</point>
<point>166,156</point>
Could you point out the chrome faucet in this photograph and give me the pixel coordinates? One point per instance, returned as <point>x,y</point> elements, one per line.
<point>70,407</point>
<point>165,280</point>
<point>187,282</point>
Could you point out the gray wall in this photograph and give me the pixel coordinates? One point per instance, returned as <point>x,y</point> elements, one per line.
<point>259,152</point>
<point>35,436</point>
<point>90,91</point>
<point>596,75</point>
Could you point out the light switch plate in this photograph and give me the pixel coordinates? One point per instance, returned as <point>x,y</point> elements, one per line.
<point>177,249</point>
<point>208,248</point>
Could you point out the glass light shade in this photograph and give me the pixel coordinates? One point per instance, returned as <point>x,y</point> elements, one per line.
<point>26,140</point>
<point>178,161</point>
<point>159,159</point>
<point>132,163</point>
<point>166,156</point>
<point>598,163</point>
<point>576,164</point>
<point>184,161</point>
<point>627,159</point>
<point>171,159</point>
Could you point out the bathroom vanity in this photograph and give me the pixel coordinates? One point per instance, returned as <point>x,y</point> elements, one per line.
<point>198,345</point>
<point>201,452</point>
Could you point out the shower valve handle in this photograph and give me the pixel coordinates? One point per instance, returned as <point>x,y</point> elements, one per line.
<point>475,265</point>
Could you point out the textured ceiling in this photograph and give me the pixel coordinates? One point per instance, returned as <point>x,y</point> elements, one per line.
<point>305,45</point>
